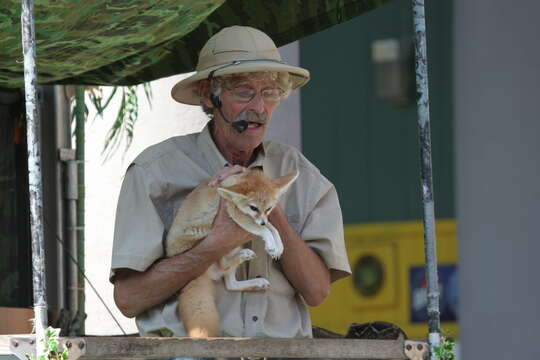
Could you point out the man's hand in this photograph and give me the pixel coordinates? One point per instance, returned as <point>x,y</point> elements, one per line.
<point>224,173</point>
<point>226,234</point>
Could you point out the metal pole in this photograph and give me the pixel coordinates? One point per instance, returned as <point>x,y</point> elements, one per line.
<point>80,121</point>
<point>33,128</point>
<point>424,130</point>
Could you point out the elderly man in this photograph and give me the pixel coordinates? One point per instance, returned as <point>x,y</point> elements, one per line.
<point>239,82</point>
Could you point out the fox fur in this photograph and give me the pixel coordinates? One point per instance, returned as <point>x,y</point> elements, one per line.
<point>249,197</point>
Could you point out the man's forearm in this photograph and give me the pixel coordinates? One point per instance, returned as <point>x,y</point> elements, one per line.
<point>136,292</point>
<point>304,269</point>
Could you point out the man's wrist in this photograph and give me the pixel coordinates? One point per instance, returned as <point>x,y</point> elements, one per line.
<point>279,220</point>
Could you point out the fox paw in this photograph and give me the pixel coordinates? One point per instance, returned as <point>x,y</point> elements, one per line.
<point>260,284</point>
<point>247,254</point>
<point>274,251</point>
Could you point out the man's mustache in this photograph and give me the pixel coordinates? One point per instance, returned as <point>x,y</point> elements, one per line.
<point>251,116</point>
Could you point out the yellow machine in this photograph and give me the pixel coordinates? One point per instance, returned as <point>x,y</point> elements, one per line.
<point>388,283</point>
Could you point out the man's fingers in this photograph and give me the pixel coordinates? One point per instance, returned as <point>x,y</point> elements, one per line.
<point>224,173</point>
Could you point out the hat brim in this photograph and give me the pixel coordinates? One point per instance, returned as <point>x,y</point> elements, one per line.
<point>186,90</point>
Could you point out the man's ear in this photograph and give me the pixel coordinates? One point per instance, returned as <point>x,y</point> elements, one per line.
<point>230,195</point>
<point>204,92</point>
<point>283,183</point>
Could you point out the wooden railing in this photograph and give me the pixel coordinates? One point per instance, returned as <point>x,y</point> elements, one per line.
<point>103,347</point>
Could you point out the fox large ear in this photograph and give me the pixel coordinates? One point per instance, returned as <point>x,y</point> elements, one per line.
<point>283,183</point>
<point>230,195</point>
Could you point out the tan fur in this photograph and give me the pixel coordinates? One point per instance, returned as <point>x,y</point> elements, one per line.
<point>193,221</point>
<point>197,308</point>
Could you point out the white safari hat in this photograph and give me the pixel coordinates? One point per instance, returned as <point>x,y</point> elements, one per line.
<point>236,49</point>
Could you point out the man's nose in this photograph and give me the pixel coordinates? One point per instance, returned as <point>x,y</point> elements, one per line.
<point>257,104</point>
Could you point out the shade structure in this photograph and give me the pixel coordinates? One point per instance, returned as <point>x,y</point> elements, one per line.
<point>132,41</point>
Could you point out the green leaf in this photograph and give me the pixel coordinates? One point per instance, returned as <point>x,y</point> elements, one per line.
<point>123,127</point>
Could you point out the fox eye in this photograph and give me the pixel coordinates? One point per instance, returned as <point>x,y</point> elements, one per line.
<point>268,210</point>
<point>254,208</point>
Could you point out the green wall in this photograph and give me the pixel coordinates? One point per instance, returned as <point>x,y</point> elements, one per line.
<point>365,145</point>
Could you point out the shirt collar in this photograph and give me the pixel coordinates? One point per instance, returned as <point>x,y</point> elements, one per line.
<point>215,158</point>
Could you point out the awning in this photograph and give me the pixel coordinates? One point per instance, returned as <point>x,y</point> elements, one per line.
<point>125,42</point>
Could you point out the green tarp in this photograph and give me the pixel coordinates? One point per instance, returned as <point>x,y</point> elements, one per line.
<point>125,42</point>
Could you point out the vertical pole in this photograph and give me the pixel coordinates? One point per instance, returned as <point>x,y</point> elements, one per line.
<point>424,130</point>
<point>80,121</point>
<point>33,130</point>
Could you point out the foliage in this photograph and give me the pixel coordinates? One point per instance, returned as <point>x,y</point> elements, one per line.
<point>51,348</point>
<point>446,351</point>
<point>126,117</point>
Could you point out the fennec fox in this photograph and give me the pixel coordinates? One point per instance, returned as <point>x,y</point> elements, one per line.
<point>249,197</point>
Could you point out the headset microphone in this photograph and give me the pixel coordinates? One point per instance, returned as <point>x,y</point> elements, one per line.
<point>239,126</point>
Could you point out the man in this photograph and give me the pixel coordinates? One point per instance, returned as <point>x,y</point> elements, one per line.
<point>240,80</point>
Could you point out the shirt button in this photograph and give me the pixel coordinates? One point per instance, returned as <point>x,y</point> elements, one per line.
<point>255,318</point>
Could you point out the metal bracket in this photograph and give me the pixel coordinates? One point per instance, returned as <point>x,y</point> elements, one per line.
<point>66,154</point>
<point>25,347</point>
<point>416,350</point>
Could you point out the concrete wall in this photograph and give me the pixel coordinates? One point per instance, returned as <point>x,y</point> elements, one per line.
<point>497,126</point>
<point>166,118</point>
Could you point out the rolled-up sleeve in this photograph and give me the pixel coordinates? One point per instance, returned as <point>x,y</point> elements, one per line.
<point>138,228</point>
<point>323,231</point>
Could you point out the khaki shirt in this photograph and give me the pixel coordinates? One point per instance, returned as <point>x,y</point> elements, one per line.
<point>156,183</point>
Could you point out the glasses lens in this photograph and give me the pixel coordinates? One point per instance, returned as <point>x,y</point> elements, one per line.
<point>246,94</point>
<point>272,94</point>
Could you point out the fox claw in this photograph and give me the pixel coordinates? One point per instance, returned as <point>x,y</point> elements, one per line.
<point>247,254</point>
<point>262,284</point>
<point>265,284</point>
<point>274,253</point>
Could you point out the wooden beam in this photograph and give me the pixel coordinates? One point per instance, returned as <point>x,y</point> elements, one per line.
<point>114,347</point>
<point>145,348</point>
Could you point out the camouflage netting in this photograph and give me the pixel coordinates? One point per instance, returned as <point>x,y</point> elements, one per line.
<point>125,42</point>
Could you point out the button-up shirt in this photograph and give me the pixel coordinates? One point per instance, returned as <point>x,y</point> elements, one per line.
<point>153,188</point>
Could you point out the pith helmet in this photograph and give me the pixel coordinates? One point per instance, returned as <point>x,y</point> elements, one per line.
<point>236,49</point>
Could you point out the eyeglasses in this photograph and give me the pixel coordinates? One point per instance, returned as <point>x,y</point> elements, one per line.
<point>245,93</point>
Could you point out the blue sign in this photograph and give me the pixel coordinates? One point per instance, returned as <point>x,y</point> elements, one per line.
<point>448,288</point>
